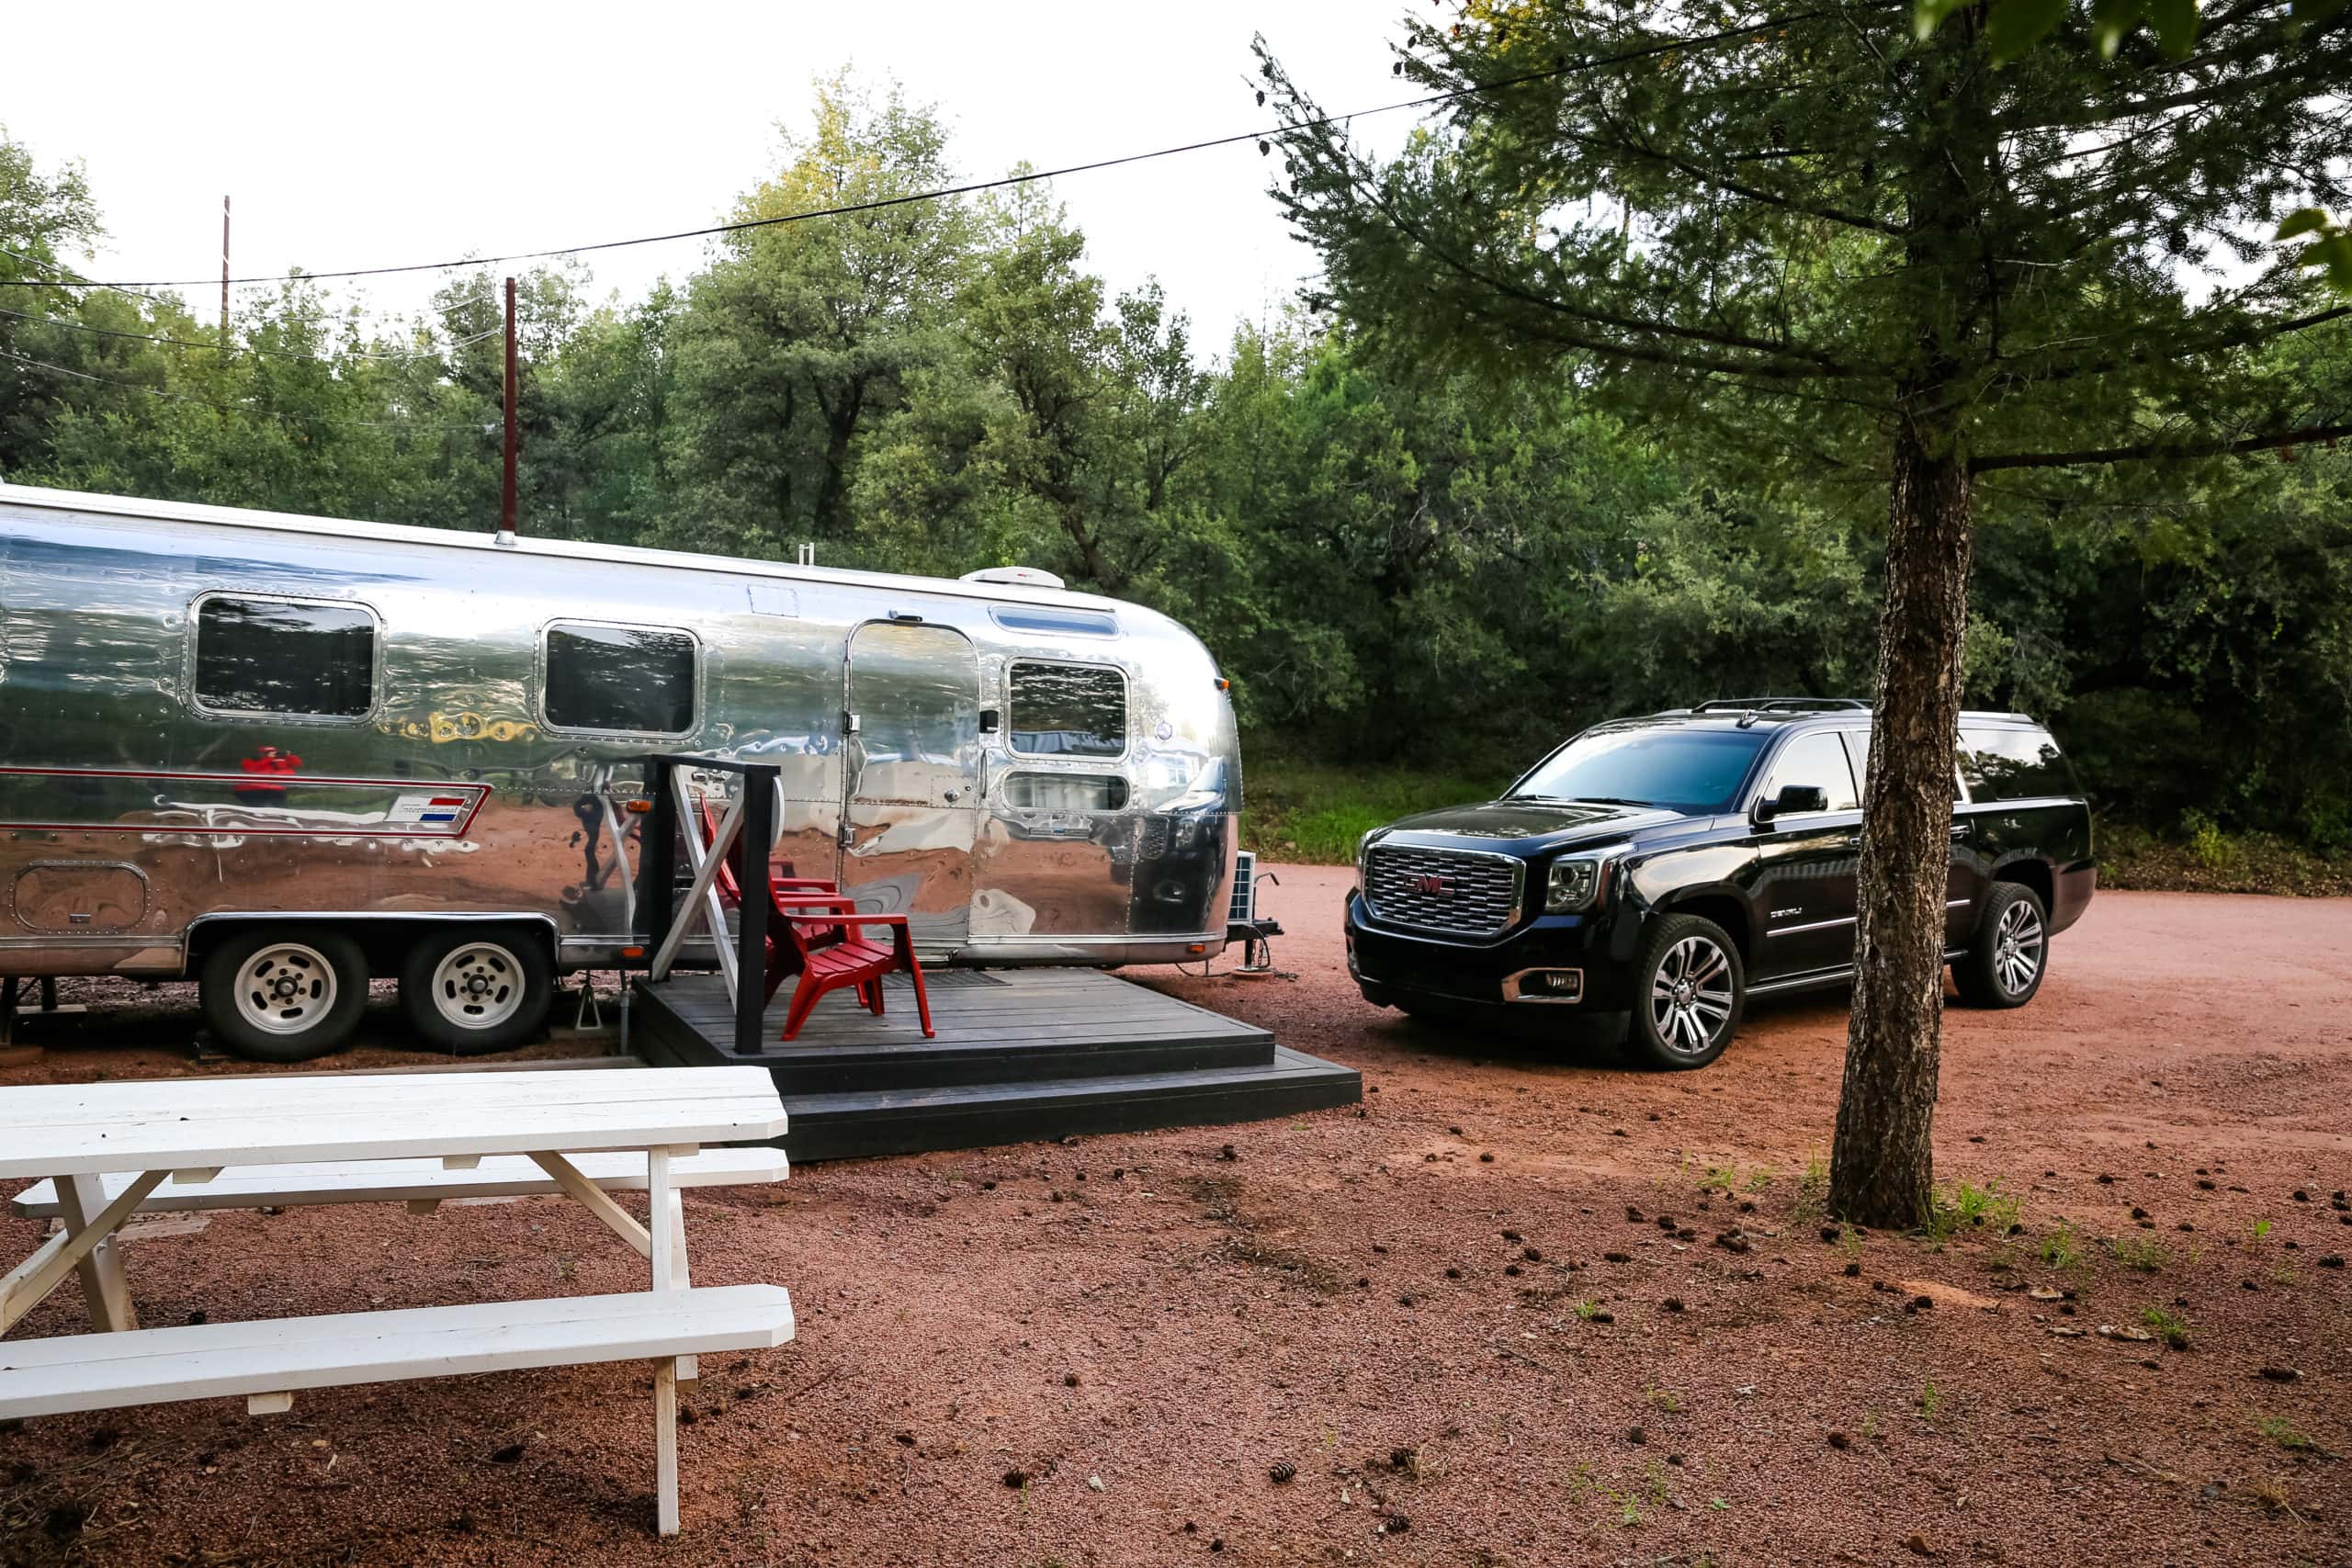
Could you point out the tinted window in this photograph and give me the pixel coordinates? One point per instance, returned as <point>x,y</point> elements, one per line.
<point>1068,710</point>
<point>267,656</point>
<point>1035,618</point>
<point>1065,792</point>
<point>1820,759</point>
<point>1858,752</point>
<point>2012,764</point>
<point>626,678</point>
<point>1688,770</point>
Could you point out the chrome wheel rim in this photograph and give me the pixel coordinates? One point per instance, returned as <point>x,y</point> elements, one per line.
<point>1690,995</point>
<point>286,988</point>
<point>2017,948</point>
<point>478,986</point>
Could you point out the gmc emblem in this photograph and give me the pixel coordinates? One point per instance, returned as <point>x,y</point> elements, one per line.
<point>1438,887</point>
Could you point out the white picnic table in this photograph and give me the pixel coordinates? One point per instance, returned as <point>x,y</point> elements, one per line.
<point>108,1150</point>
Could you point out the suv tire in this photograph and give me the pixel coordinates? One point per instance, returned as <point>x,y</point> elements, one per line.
<point>287,994</point>
<point>2010,952</point>
<point>1689,989</point>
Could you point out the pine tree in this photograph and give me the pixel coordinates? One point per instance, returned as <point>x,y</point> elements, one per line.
<point>1847,247</point>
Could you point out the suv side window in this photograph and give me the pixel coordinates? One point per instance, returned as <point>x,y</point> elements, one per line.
<point>2012,764</point>
<point>1858,752</point>
<point>1817,759</point>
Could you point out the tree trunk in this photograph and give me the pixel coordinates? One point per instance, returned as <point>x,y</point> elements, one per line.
<point>1882,1166</point>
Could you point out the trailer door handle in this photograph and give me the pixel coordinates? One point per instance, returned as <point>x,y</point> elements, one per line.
<point>1960,829</point>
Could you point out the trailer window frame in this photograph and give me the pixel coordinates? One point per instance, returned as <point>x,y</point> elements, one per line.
<point>1080,760</point>
<point>542,659</point>
<point>194,693</point>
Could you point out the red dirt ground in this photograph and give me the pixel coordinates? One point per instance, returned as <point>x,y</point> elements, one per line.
<point>1402,1305</point>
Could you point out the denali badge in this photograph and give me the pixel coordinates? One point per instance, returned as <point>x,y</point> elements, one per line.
<point>1438,886</point>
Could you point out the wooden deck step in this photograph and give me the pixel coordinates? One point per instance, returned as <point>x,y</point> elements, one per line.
<point>150,1366</point>
<point>909,1121</point>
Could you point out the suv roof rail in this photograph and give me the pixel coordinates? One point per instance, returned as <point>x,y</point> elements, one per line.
<point>1782,705</point>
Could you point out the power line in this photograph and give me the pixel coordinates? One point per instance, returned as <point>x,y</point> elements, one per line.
<point>68,281</point>
<point>975,188</point>
<point>249,348</point>
<point>239,408</point>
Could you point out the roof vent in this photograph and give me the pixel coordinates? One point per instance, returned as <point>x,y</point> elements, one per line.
<point>1021,576</point>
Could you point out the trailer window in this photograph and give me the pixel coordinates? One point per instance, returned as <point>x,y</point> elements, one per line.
<point>1065,792</point>
<point>637,680</point>
<point>1068,710</point>
<point>1039,618</point>
<point>275,656</point>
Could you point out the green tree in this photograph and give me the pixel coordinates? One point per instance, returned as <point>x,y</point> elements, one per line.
<point>799,338</point>
<point>1824,243</point>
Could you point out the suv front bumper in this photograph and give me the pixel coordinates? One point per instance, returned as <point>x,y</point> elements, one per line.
<point>1506,979</point>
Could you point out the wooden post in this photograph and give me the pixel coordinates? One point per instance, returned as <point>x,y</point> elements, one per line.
<point>513,438</point>
<point>755,841</point>
<point>81,1200</point>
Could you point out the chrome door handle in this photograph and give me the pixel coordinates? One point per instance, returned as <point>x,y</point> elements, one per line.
<point>1960,829</point>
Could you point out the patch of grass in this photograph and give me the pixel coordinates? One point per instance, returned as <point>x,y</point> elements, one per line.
<point>1586,1308</point>
<point>1314,812</point>
<point>2283,1432</point>
<point>2062,1247</point>
<point>1813,1191</point>
<point>1665,1399</point>
<point>1930,1400</point>
<point>1965,1206</point>
<point>2142,1254</point>
<point>2167,1324</point>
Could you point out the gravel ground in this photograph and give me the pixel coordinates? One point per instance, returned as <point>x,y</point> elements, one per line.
<point>1457,1319</point>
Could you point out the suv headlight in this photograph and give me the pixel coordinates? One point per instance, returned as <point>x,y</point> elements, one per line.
<point>1573,883</point>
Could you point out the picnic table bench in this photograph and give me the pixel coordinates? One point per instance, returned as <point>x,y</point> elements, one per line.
<point>107,1151</point>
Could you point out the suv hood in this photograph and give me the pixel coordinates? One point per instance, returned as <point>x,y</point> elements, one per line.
<point>1558,822</point>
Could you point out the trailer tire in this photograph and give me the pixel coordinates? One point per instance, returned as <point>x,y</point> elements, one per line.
<point>477,991</point>
<point>284,993</point>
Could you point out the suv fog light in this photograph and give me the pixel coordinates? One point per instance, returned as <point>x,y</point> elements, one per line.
<point>1545,986</point>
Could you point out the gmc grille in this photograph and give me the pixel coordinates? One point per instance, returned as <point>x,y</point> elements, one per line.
<point>1442,890</point>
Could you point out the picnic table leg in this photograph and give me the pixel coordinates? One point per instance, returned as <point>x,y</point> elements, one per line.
<point>665,1225</point>
<point>104,1289</point>
<point>665,1445</point>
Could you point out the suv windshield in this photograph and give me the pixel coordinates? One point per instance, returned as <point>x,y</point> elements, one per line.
<point>1683,770</point>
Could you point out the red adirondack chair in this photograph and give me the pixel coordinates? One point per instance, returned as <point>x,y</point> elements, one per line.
<point>823,939</point>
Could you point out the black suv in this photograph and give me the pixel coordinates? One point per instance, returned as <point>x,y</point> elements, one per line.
<point>1646,878</point>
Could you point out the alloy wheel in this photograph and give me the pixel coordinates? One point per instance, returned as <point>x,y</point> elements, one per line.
<point>1691,995</point>
<point>2017,948</point>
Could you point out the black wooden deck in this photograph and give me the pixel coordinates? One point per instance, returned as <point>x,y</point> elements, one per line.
<point>1020,1055</point>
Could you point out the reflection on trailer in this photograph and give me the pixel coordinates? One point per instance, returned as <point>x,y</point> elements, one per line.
<point>286,753</point>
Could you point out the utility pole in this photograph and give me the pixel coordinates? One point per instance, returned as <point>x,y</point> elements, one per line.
<point>514,440</point>
<point>224,275</point>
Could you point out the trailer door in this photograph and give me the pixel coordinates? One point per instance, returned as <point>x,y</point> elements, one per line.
<point>912,737</point>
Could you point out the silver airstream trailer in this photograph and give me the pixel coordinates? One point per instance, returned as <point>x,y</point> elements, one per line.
<point>286,753</point>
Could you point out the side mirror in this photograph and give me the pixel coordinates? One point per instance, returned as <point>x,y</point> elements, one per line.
<point>1793,801</point>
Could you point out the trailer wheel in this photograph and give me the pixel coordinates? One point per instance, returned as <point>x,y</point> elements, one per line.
<point>473,991</point>
<point>284,995</point>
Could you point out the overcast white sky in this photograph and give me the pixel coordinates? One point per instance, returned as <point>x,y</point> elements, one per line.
<point>361,134</point>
